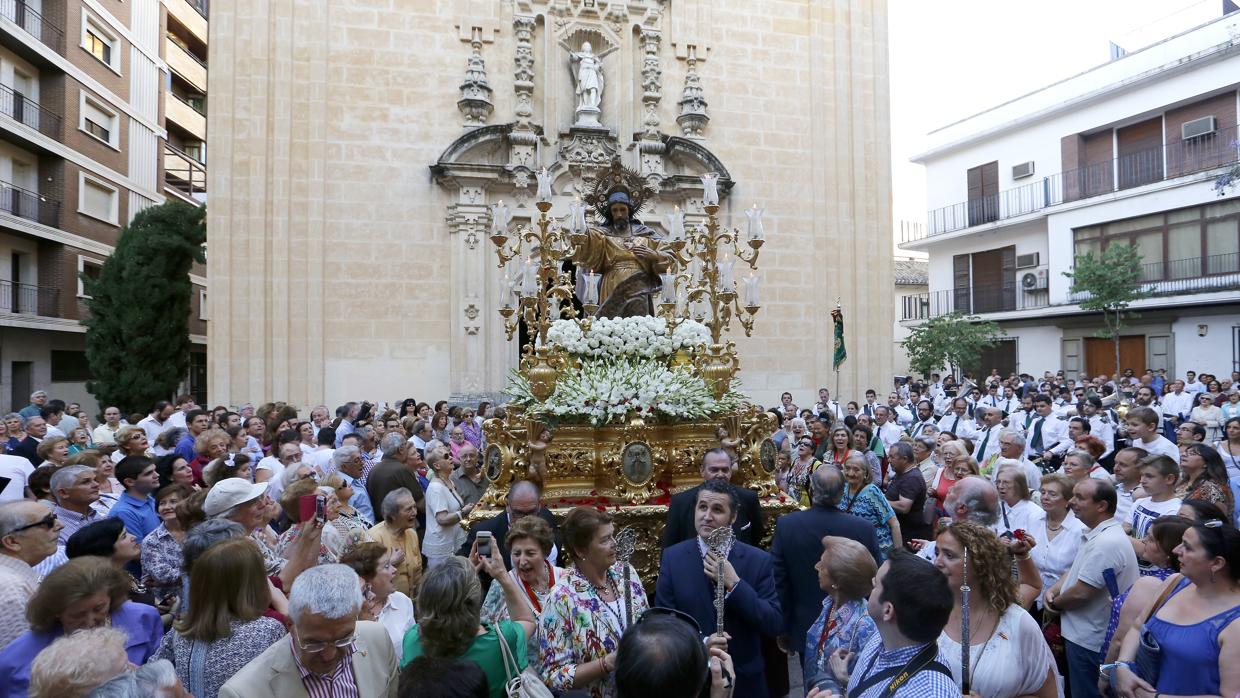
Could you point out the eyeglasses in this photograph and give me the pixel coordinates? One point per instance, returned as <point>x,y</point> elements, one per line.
<point>316,647</point>
<point>47,522</point>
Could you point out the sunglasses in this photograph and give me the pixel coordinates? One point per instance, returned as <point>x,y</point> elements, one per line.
<point>47,522</point>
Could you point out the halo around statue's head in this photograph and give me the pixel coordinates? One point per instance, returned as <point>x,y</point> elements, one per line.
<point>621,184</point>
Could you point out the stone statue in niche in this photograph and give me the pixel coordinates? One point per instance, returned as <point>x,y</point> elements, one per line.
<point>588,83</point>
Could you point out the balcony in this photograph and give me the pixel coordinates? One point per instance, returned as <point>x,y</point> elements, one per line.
<point>184,173</point>
<point>28,112</point>
<point>191,14</point>
<point>28,299</point>
<point>186,116</point>
<point>21,14</point>
<point>185,64</point>
<point>29,205</point>
<point>1220,272</point>
<point>974,300</point>
<point>1132,170</point>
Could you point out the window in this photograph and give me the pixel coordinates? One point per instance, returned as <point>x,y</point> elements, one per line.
<point>70,367</point>
<point>89,268</point>
<point>1183,244</point>
<point>202,304</point>
<point>97,199</point>
<point>99,121</point>
<point>99,42</point>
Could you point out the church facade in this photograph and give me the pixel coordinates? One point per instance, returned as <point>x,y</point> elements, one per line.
<point>359,145</point>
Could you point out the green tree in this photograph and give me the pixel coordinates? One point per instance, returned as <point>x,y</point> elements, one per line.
<point>137,330</point>
<point>1110,282</point>
<point>951,340</point>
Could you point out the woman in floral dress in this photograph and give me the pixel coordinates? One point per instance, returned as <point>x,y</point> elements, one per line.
<point>586,613</point>
<point>863,498</point>
<point>846,573</point>
<point>803,465</point>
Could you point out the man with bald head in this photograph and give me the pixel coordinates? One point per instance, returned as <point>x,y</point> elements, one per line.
<point>28,534</point>
<point>972,498</point>
<point>523,500</point>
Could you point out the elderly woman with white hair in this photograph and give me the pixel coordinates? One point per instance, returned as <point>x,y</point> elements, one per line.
<point>1016,508</point>
<point>396,532</point>
<point>329,651</point>
<point>151,680</point>
<point>446,511</point>
<point>77,664</point>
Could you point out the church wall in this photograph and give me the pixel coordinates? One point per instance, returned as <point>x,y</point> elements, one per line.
<point>336,273</point>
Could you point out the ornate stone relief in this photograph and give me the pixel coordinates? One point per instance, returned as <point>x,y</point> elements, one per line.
<point>475,102</point>
<point>693,117</point>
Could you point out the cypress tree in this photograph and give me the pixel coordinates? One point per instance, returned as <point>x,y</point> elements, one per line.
<point>137,329</point>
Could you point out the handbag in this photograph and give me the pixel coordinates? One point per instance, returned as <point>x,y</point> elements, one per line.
<point>1149,652</point>
<point>521,684</point>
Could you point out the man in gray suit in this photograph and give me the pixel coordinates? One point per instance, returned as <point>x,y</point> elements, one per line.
<point>329,651</point>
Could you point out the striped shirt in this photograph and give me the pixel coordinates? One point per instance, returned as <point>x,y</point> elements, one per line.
<point>340,683</point>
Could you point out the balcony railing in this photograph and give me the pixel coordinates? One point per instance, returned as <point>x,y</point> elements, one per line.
<point>972,301</point>
<point>183,172</point>
<point>29,205</point>
<point>29,299</point>
<point>1220,272</point>
<point>18,106</point>
<point>35,24</point>
<point>1125,172</point>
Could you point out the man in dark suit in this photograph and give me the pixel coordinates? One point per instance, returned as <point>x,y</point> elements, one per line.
<point>523,500</point>
<point>797,546</point>
<point>397,468</point>
<point>36,430</point>
<point>687,579</point>
<point>716,465</point>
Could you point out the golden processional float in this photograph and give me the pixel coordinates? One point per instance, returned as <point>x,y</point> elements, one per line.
<point>626,379</point>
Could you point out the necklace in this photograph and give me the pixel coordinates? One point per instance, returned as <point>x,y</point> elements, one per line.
<point>617,613</point>
<point>533,596</point>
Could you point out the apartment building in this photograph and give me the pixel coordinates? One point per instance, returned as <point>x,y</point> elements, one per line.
<point>185,100</point>
<point>1125,153</point>
<point>82,150</point>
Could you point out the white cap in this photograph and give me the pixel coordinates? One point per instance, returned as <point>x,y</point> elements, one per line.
<point>230,492</point>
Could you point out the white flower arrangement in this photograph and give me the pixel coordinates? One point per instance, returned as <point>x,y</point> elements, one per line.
<point>643,337</point>
<point>609,390</point>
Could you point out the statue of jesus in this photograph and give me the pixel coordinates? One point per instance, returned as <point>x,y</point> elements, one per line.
<point>623,251</point>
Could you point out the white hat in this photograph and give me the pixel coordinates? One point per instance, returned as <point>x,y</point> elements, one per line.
<point>230,492</point>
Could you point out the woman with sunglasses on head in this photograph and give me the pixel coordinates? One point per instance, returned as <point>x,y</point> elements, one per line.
<point>1192,620</point>
<point>803,465</point>
<point>1208,415</point>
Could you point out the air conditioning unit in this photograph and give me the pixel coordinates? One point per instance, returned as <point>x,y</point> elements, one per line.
<point>1026,261</point>
<point>1198,127</point>
<point>1025,169</point>
<point>1034,280</point>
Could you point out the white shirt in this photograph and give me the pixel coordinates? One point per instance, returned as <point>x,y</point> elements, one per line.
<point>1013,661</point>
<point>439,540</point>
<point>1020,516</point>
<point>1054,557</point>
<point>1145,510</point>
<point>1054,430</point>
<point>992,443</point>
<point>961,426</point>
<point>903,415</point>
<point>1123,501</point>
<point>1194,387</point>
<point>396,617</point>
<point>1102,427</point>
<point>18,470</point>
<point>152,427</point>
<point>176,420</point>
<point>1160,445</point>
<point>1104,552</point>
<point>889,434</point>
<point>829,406</point>
<point>918,427</point>
<point>104,434</point>
<point>1175,405</point>
<point>275,485</point>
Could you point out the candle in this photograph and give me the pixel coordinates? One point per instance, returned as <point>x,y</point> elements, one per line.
<point>505,291</point>
<point>572,215</point>
<point>590,287</point>
<point>754,214</point>
<point>500,217</point>
<point>710,189</point>
<point>726,283</point>
<point>667,292</point>
<point>544,184</point>
<point>675,223</point>
<point>529,282</point>
<point>751,290</point>
<point>579,222</point>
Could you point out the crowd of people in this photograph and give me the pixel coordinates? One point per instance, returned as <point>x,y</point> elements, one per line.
<point>992,537</point>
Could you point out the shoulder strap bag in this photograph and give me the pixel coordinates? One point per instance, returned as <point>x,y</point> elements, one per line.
<point>521,684</point>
